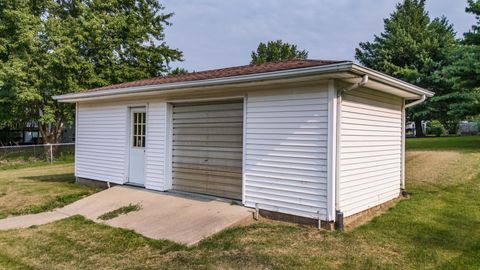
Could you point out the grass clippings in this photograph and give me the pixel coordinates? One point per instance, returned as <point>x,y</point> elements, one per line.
<point>120,211</point>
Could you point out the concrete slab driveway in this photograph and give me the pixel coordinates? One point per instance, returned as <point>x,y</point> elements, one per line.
<point>185,219</point>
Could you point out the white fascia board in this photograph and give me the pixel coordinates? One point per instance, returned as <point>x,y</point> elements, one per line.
<point>345,66</point>
<point>381,77</point>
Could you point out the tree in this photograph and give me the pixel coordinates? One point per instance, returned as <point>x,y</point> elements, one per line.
<point>463,71</point>
<point>277,51</point>
<point>177,71</point>
<point>412,48</point>
<point>473,36</point>
<point>53,47</point>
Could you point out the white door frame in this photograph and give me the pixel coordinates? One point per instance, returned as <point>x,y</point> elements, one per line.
<point>129,134</point>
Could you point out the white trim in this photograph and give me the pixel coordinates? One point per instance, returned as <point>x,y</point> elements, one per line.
<point>244,148</point>
<point>76,136</point>
<point>338,152</point>
<point>168,146</point>
<point>283,74</point>
<point>332,135</point>
<point>402,179</point>
<point>384,78</point>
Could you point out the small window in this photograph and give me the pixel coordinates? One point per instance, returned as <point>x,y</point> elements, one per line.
<point>138,129</point>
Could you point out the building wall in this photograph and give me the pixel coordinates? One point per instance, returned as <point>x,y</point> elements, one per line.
<point>285,154</point>
<point>103,142</point>
<point>370,158</point>
<point>155,154</point>
<point>100,142</point>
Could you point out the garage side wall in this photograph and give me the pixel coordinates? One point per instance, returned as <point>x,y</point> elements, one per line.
<point>370,159</point>
<point>100,142</point>
<point>285,166</point>
<point>156,158</point>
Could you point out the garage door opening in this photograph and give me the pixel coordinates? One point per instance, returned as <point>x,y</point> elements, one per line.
<point>207,148</point>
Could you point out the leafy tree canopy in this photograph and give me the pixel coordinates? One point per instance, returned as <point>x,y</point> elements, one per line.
<point>53,47</point>
<point>463,71</point>
<point>413,47</point>
<point>177,71</point>
<point>473,36</point>
<point>277,51</point>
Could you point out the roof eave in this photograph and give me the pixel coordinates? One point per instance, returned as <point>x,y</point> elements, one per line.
<point>284,74</point>
<point>384,78</point>
<point>74,97</point>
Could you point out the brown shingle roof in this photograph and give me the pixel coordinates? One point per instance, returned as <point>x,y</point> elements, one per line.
<point>221,73</point>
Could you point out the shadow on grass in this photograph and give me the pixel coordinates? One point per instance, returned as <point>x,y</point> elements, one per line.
<point>56,178</point>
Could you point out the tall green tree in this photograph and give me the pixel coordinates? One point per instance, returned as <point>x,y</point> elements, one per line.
<point>277,51</point>
<point>413,47</point>
<point>53,47</point>
<point>463,71</point>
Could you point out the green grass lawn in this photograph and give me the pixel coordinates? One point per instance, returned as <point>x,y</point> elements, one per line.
<point>38,188</point>
<point>438,227</point>
<point>456,143</point>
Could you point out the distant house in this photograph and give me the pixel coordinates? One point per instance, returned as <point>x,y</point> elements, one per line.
<point>30,134</point>
<point>469,127</point>
<point>21,134</point>
<point>411,131</point>
<point>307,139</point>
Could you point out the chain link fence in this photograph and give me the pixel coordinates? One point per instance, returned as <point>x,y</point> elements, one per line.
<point>47,153</point>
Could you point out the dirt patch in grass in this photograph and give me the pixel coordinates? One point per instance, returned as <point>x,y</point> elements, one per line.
<point>120,211</point>
<point>440,168</point>
<point>38,189</point>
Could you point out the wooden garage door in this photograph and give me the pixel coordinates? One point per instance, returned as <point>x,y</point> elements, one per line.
<point>207,148</point>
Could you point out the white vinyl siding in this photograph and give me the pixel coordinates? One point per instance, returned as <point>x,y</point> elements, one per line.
<point>155,161</point>
<point>101,141</point>
<point>286,151</point>
<point>370,149</point>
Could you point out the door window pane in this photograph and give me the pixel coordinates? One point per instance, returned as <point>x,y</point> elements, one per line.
<point>138,129</point>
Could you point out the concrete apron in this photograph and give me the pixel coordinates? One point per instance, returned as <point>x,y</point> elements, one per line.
<point>181,218</point>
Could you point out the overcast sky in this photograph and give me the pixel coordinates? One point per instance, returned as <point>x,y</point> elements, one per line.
<point>222,33</point>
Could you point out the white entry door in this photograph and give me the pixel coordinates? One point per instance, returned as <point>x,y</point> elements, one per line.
<point>138,127</point>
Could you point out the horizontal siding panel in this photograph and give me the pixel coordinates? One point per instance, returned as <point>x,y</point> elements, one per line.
<point>368,201</point>
<point>286,160</point>
<point>286,151</point>
<point>370,149</point>
<point>286,137</point>
<point>288,109</point>
<point>155,146</point>
<point>373,103</point>
<point>369,123</point>
<point>287,208</point>
<point>293,154</point>
<point>263,185</point>
<point>100,142</point>
<point>287,183</point>
<point>308,115</point>
<point>291,102</point>
<point>347,156</point>
<point>368,175</point>
<point>296,166</point>
<point>288,142</point>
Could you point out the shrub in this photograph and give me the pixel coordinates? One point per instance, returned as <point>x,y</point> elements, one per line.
<point>436,128</point>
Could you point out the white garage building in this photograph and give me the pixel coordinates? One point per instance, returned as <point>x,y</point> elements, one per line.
<point>306,138</point>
